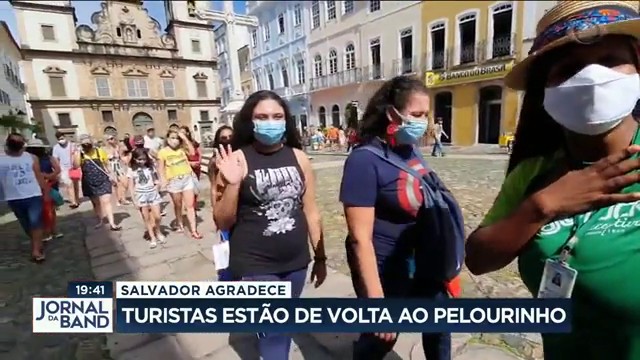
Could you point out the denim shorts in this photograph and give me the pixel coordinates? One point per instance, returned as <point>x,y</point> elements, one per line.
<point>179,184</point>
<point>28,212</point>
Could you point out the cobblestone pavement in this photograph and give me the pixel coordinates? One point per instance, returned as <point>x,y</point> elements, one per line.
<point>475,183</point>
<point>20,280</point>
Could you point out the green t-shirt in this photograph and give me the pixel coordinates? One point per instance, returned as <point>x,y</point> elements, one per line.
<point>606,297</point>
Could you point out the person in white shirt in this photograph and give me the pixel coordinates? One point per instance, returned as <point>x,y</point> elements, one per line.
<point>438,132</point>
<point>64,151</point>
<point>152,142</point>
<point>24,188</point>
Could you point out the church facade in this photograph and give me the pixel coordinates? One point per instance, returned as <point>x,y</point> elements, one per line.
<point>120,74</point>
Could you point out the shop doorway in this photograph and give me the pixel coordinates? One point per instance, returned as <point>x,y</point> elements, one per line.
<point>489,114</point>
<point>443,106</point>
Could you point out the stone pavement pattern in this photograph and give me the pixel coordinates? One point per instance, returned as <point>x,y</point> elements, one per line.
<point>21,279</point>
<point>125,256</point>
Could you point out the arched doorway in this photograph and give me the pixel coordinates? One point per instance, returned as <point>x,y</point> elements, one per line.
<point>335,115</point>
<point>489,114</point>
<point>110,131</point>
<point>322,116</point>
<point>443,102</point>
<point>141,122</point>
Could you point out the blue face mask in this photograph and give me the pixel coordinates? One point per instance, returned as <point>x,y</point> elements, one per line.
<point>411,130</point>
<point>269,132</point>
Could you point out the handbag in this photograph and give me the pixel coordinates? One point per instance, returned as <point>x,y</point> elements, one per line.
<point>74,173</point>
<point>56,198</point>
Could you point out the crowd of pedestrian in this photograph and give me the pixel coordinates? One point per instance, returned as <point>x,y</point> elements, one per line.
<point>567,209</point>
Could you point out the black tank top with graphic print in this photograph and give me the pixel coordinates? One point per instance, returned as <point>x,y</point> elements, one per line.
<point>271,234</point>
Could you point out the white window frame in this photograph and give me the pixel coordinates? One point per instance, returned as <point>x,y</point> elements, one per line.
<point>315,14</point>
<point>318,66</point>
<point>300,71</point>
<point>99,87</point>
<point>458,37</point>
<point>444,23</point>
<point>172,88</point>
<point>266,32</point>
<point>350,57</point>
<point>332,61</point>
<point>332,11</point>
<point>281,24</point>
<point>348,9</point>
<point>140,88</point>
<point>254,38</point>
<point>495,9</point>
<point>297,15</point>
<point>374,6</point>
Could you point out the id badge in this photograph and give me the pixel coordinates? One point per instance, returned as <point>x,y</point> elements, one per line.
<point>558,280</point>
<point>221,255</point>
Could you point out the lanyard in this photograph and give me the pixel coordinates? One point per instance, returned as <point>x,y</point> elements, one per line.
<point>571,243</point>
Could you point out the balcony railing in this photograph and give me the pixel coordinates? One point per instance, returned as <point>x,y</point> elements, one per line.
<point>481,51</point>
<point>341,78</point>
<point>283,91</point>
<point>405,66</point>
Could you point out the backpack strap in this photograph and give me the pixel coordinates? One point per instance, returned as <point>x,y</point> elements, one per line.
<point>392,159</point>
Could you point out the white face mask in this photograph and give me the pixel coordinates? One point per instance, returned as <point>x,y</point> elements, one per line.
<point>593,101</point>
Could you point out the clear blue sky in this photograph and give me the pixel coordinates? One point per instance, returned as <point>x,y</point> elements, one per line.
<point>85,8</point>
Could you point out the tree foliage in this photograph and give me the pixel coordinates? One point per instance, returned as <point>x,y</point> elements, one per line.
<point>14,122</point>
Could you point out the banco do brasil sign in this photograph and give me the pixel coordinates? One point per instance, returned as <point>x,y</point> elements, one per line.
<point>478,73</point>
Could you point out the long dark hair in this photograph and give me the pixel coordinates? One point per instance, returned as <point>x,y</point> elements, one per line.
<point>537,134</point>
<point>243,121</point>
<point>218,134</point>
<point>393,93</point>
<point>140,152</point>
<point>189,135</point>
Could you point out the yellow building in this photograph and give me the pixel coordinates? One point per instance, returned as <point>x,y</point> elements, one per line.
<point>470,47</point>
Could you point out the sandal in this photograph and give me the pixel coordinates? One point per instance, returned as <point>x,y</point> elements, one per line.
<point>115,227</point>
<point>196,235</point>
<point>38,259</point>
<point>178,229</point>
<point>74,206</point>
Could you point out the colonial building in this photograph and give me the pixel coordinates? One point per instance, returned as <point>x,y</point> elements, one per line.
<point>240,38</point>
<point>471,46</point>
<point>121,73</point>
<point>354,46</point>
<point>12,89</point>
<point>279,52</point>
<point>246,79</point>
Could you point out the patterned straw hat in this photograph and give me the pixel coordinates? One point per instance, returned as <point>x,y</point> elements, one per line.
<point>576,21</point>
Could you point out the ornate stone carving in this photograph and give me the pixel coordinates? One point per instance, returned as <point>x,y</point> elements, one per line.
<point>104,28</point>
<point>134,72</point>
<point>168,41</point>
<point>85,33</point>
<point>167,74</point>
<point>54,70</point>
<point>200,76</point>
<point>129,34</point>
<point>100,70</point>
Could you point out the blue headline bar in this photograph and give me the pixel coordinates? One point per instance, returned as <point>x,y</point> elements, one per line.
<point>343,315</point>
<point>90,289</point>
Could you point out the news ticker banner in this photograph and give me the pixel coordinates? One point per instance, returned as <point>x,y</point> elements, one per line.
<point>203,307</point>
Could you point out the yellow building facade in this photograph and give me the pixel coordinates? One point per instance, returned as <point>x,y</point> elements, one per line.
<point>470,47</point>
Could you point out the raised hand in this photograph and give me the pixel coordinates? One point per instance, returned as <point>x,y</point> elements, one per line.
<point>593,187</point>
<point>229,165</point>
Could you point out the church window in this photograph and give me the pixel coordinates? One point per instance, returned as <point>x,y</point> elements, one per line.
<point>48,33</point>
<point>57,86</point>
<point>195,46</point>
<point>201,87</point>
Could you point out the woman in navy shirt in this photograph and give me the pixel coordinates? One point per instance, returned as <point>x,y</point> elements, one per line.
<point>381,203</point>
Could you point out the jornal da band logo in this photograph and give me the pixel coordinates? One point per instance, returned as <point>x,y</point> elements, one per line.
<point>62,315</point>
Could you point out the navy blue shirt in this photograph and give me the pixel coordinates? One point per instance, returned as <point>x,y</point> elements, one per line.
<point>369,181</point>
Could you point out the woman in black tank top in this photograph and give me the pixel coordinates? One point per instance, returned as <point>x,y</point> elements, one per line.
<point>267,202</point>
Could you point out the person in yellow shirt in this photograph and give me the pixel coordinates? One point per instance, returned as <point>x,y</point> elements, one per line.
<point>178,179</point>
<point>97,180</point>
